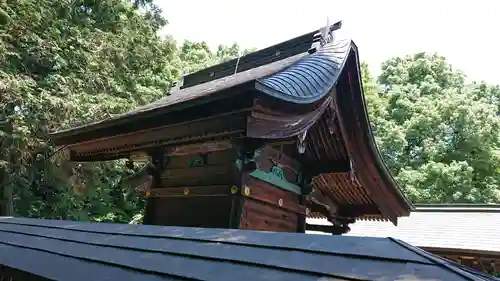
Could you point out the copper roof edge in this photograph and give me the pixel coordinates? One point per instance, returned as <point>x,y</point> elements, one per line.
<point>404,206</point>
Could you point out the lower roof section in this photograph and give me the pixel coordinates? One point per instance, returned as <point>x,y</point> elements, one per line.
<point>66,250</point>
<point>472,228</point>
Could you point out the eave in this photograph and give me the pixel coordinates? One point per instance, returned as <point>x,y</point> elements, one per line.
<point>340,130</point>
<point>237,75</point>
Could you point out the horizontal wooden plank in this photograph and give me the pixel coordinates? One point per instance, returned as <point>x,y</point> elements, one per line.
<point>192,211</point>
<point>220,123</point>
<point>195,148</point>
<point>123,152</point>
<point>221,157</point>
<point>196,176</point>
<point>266,190</point>
<point>261,216</point>
<point>280,204</point>
<point>273,196</point>
<point>190,191</point>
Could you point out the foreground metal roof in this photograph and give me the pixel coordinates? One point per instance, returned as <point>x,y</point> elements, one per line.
<point>66,250</point>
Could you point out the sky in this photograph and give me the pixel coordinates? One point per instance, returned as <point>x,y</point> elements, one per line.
<point>465,32</point>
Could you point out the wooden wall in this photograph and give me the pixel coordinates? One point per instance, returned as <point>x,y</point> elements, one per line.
<point>262,210</point>
<point>267,204</point>
<point>223,189</point>
<point>195,190</point>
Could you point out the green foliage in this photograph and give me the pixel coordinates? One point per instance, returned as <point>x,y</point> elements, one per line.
<point>71,62</point>
<point>64,63</point>
<point>439,136</point>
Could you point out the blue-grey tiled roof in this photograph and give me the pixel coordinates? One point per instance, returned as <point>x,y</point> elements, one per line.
<point>448,228</point>
<point>311,78</point>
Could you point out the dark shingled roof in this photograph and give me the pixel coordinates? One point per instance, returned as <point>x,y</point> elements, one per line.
<point>300,78</point>
<point>66,250</point>
<point>311,78</point>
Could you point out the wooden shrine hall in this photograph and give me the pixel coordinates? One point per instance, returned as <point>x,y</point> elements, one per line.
<point>256,143</point>
<point>259,142</point>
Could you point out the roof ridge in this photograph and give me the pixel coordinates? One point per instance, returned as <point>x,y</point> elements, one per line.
<point>257,58</point>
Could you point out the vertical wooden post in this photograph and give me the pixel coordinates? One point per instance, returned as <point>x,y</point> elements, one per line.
<point>301,225</point>
<point>7,203</point>
<point>237,200</point>
<point>158,160</point>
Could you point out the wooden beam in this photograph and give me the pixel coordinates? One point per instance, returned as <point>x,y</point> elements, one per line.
<point>199,148</point>
<point>192,191</point>
<point>280,203</point>
<point>327,167</point>
<point>357,210</point>
<point>322,204</point>
<point>98,157</point>
<point>225,124</point>
<point>332,229</point>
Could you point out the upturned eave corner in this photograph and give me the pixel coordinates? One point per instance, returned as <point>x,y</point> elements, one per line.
<point>373,173</point>
<point>401,205</point>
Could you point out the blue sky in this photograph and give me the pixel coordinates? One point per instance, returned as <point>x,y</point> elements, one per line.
<point>463,31</point>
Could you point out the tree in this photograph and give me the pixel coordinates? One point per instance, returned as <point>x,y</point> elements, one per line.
<point>439,136</point>
<point>68,62</point>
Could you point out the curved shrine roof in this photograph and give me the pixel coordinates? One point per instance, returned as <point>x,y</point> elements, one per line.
<point>303,74</point>
<point>293,74</point>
